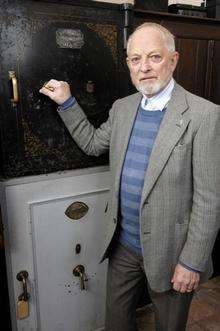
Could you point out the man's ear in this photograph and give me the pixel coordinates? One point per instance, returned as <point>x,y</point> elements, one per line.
<point>175,59</point>
<point>127,61</point>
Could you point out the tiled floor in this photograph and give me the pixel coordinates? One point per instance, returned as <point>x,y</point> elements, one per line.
<point>204,312</point>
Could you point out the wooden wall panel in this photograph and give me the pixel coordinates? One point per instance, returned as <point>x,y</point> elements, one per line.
<point>192,64</point>
<point>215,73</point>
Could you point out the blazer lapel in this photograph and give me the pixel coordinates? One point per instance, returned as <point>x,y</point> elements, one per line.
<point>126,123</point>
<point>173,125</point>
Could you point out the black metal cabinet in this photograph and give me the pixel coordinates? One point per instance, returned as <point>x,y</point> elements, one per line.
<point>80,42</point>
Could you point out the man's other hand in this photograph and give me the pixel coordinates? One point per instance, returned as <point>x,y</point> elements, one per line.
<point>184,280</point>
<point>58,91</point>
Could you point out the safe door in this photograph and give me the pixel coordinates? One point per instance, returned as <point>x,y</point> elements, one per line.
<point>75,41</point>
<point>69,279</point>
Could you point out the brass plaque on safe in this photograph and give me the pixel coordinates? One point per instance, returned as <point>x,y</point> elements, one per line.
<point>77,210</point>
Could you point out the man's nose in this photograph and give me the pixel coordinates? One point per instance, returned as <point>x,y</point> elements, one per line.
<point>145,66</point>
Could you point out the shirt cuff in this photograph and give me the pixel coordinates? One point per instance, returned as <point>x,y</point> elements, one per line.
<point>67,104</point>
<point>188,268</point>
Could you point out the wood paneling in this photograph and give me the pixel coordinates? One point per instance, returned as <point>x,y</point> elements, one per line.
<point>192,64</point>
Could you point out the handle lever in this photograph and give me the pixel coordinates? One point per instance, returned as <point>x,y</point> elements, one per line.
<point>13,78</point>
<point>79,271</point>
<point>22,277</point>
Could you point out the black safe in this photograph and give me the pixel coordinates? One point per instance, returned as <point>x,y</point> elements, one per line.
<point>80,42</point>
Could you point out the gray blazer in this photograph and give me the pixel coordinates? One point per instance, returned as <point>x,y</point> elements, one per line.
<point>180,205</point>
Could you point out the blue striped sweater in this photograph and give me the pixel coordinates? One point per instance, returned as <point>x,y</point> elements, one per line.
<point>140,145</point>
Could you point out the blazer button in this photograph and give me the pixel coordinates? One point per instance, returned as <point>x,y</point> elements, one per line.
<point>115,220</point>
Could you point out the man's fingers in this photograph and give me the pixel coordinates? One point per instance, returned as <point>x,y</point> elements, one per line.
<point>48,87</point>
<point>46,91</point>
<point>176,286</point>
<point>53,83</point>
<point>58,91</point>
<point>189,290</point>
<point>180,287</point>
<point>184,280</point>
<point>183,289</point>
<point>196,284</point>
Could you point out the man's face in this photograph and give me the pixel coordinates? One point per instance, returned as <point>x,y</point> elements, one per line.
<point>150,63</point>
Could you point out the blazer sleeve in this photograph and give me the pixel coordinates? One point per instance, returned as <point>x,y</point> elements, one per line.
<point>205,215</point>
<point>92,141</point>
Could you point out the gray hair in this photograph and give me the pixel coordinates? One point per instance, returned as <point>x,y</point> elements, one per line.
<point>166,35</point>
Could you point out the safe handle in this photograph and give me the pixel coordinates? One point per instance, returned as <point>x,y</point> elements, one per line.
<point>22,276</point>
<point>79,271</point>
<point>13,78</point>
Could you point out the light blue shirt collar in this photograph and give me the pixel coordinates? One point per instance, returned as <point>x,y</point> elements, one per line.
<point>160,100</point>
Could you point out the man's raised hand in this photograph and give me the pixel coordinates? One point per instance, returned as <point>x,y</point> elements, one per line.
<point>57,91</point>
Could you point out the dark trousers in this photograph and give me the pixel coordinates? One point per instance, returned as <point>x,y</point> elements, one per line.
<point>125,281</point>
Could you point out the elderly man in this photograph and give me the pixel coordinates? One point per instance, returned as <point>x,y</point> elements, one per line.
<point>165,165</point>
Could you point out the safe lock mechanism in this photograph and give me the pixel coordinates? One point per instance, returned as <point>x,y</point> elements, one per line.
<point>22,303</point>
<point>79,271</point>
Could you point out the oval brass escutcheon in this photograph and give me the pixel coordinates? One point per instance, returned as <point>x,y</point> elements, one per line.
<point>76,210</point>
